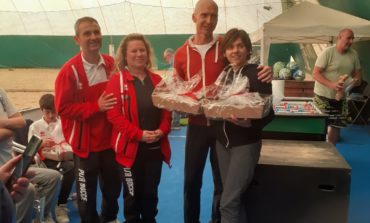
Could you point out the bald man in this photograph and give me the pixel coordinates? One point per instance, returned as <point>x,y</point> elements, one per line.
<point>201,54</point>
<point>333,62</point>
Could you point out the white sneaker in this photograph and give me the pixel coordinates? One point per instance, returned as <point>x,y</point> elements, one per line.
<point>114,221</point>
<point>48,219</point>
<point>61,212</point>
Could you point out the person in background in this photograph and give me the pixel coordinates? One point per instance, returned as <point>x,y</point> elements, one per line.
<point>45,182</point>
<point>139,129</point>
<point>168,56</point>
<point>333,62</point>
<point>17,192</point>
<point>201,54</point>
<point>238,141</point>
<point>81,102</point>
<point>50,130</point>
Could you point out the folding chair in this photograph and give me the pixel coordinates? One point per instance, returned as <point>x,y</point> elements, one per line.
<point>359,103</point>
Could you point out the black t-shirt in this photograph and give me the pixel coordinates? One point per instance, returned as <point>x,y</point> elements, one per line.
<point>149,115</point>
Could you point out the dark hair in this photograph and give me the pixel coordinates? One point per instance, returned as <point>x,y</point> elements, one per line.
<point>47,102</point>
<point>231,36</point>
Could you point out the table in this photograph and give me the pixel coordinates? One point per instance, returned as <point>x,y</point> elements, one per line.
<point>299,182</point>
<point>297,119</point>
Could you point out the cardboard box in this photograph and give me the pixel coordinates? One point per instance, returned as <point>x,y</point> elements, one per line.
<point>294,88</point>
<point>226,108</point>
<point>180,103</point>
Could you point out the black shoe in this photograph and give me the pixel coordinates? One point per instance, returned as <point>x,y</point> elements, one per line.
<point>339,124</point>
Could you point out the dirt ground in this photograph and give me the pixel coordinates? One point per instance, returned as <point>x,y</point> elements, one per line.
<point>25,86</point>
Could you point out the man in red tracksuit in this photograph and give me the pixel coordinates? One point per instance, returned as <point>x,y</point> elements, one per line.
<point>81,102</point>
<point>201,54</point>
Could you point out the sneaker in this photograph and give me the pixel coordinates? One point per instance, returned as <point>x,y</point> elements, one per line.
<point>339,123</point>
<point>48,219</point>
<point>114,221</point>
<point>61,212</point>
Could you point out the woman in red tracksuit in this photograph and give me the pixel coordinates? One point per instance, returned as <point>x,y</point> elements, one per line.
<point>139,129</point>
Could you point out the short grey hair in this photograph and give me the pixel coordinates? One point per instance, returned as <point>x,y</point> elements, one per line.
<point>84,19</point>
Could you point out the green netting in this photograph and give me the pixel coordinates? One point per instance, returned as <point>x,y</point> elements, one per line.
<point>54,51</point>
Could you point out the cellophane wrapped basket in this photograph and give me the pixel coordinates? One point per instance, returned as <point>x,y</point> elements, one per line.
<point>176,94</point>
<point>230,97</point>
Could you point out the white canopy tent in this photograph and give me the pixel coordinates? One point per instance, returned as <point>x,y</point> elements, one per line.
<point>308,23</point>
<point>120,17</point>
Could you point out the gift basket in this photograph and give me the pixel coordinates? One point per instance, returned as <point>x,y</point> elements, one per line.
<point>230,97</point>
<point>59,152</point>
<point>177,95</point>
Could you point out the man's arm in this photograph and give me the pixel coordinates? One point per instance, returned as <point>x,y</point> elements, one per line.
<point>319,77</point>
<point>66,93</point>
<point>356,75</point>
<point>265,73</point>
<point>7,126</point>
<point>14,121</point>
<point>5,134</point>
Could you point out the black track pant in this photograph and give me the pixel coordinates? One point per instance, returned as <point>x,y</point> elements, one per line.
<point>200,140</point>
<point>140,190</point>
<point>100,166</point>
<point>67,169</point>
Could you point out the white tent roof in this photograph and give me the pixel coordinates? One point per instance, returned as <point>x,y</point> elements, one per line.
<point>120,17</point>
<point>308,23</point>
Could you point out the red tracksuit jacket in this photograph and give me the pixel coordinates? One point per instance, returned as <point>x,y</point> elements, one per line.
<point>84,127</point>
<point>188,62</point>
<point>126,133</point>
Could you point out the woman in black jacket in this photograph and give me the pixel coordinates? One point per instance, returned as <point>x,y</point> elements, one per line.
<point>239,140</point>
